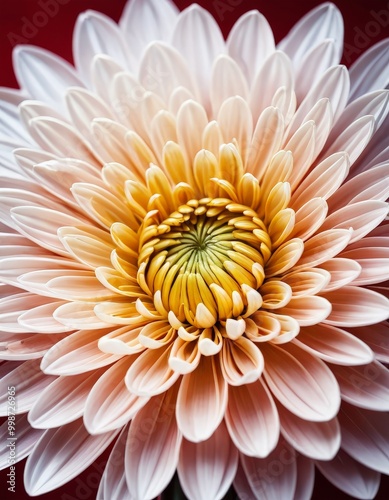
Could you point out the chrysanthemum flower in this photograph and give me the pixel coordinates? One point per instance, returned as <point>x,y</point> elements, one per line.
<point>194,257</point>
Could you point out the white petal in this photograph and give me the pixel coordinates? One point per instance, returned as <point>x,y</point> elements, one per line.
<point>144,21</point>
<point>206,469</point>
<point>250,42</point>
<point>370,71</point>
<point>202,400</point>
<point>252,419</point>
<point>95,33</point>
<point>153,446</point>
<point>60,455</point>
<point>43,75</point>
<point>322,22</point>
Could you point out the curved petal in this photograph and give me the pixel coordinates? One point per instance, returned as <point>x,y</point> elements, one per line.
<point>153,446</point>
<point>305,478</point>
<point>301,382</point>
<point>274,476</point>
<point>252,419</point>
<point>109,404</point>
<point>316,440</point>
<point>60,455</point>
<point>241,361</point>
<point>206,469</point>
<point>350,476</point>
<point>202,400</point>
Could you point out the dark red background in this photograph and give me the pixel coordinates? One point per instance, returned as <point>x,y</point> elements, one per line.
<point>55,34</point>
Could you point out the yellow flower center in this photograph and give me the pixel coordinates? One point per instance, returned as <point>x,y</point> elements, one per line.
<point>210,252</point>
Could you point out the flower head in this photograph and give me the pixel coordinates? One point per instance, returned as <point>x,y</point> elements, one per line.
<point>195,258</point>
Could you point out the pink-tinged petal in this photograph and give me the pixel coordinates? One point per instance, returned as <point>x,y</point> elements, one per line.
<point>250,42</point>
<point>26,438</point>
<point>60,455</point>
<point>44,76</point>
<point>305,478</point>
<point>313,64</point>
<point>163,69</point>
<point>30,382</point>
<point>227,81</point>
<point>273,477</point>
<point>309,281</point>
<point>61,139</point>
<point>241,361</point>
<point>202,400</point>
<point>342,272</point>
<point>12,306</point>
<point>350,476</point>
<point>41,319</point>
<point>121,341</point>
<point>374,263</point>
<point>370,71</point>
<point>374,104</point>
<point>144,21</point>
<point>316,440</point>
<point>302,144</point>
<point>371,184</point>
<point>109,404</point>
<point>207,469</point>
<point>77,353</point>
<point>323,246</point>
<point>103,72</point>
<point>199,39</point>
<point>308,310</point>
<point>301,382</point>
<point>333,84</point>
<point>377,338</point>
<point>77,316</point>
<point>334,345</point>
<point>356,306</point>
<point>113,484</point>
<point>353,140</point>
<point>309,218</point>
<point>152,450</point>
<point>365,436</point>
<point>321,23</point>
<point>324,180</point>
<point>150,374</point>
<point>278,74</point>
<point>242,486</point>
<point>63,401</point>
<point>95,33</point>
<point>252,419</point>
<point>365,386</point>
<point>21,347</point>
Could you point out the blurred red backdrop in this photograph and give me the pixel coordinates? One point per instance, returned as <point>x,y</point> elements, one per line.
<point>49,24</point>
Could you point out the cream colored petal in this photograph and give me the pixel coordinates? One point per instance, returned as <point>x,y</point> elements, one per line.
<point>78,315</point>
<point>241,361</point>
<point>252,419</point>
<point>185,356</point>
<point>342,271</point>
<point>202,400</point>
<point>227,81</point>
<point>323,246</point>
<point>151,374</point>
